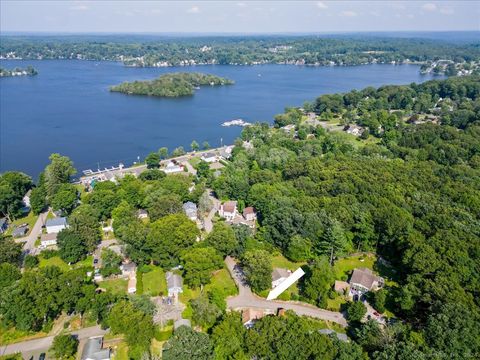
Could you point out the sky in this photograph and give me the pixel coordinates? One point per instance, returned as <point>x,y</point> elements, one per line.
<point>237,16</point>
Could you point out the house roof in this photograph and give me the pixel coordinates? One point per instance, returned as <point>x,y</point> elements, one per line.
<point>21,230</point>
<point>56,221</point>
<point>209,155</point>
<point>129,266</point>
<point>252,314</point>
<point>248,210</point>
<point>341,285</point>
<point>28,193</point>
<point>190,206</point>
<point>174,280</point>
<point>364,277</point>
<point>142,212</point>
<point>229,206</point>
<point>93,349</point>
<point>279,273</point>
<point>340,336</point>
<point>46,237</point>
<point>3,221</point>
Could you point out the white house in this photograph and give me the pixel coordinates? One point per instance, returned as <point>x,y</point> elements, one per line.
<point>363,280</point>
<point>190,210</point>
<point>228,210</point>
<point>174,284</point>
<point>93,349</point>
<point>26,198</point>
<point>56,225</point>
<point>129,269</point>
<point>278,276</point>
<point>209,157</point>
<point>250,214</point>
<point>48,240</point>
<point>172,167</point>
<point>285,284</point>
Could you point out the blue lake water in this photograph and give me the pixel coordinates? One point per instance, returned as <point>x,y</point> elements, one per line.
<point>67,108</point>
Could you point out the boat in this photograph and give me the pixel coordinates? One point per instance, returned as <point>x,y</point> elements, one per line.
<point>236,122</point>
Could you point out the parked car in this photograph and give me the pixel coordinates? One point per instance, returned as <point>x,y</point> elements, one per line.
<point>42,356</point>
<point>95,261</point>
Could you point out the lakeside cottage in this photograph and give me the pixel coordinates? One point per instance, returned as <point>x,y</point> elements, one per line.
<point>209,157</point>
<point>172,167</point>
<point>56,225</point>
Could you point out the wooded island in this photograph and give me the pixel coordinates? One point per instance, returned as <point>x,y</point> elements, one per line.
<point>171,85</point>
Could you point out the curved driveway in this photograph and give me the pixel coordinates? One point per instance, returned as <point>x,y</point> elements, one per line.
<point>246,299</point>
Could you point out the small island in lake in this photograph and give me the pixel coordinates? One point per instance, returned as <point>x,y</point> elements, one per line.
<point>28,71</point>
<point>171,85</point>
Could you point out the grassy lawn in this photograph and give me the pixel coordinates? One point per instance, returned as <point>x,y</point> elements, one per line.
<point>53,261</point>
<point>121,352</point>
<point>87,262</point>
<point>336,304</point>
<point>50,215</point>
<point>29,219</point>
<point>223,281</point>
<point>116,286</point>
<point>194,161</point>
<point>154,282</point>
<point>156,347</point>
<point>10,336</point>
<point>280,261</point>
<point>344,267</point>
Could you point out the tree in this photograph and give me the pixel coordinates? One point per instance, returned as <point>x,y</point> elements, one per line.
<point>199,263</point>
<point>194,146</point>
<point>205,204</point>
<point>10,252</point>
<point>163,152</point>
<point>103,201</point>
<point>257,266</point>
<point>83,222</point>
<point>13,186</point>
<point>356,311</point>
<point>65,198</point>
<point>205,313</point>
<point>153,161</point>
<point>223,239</point>
<point>379,297</point>
<point>203,170</point>
<point>320,282</point>
<point>8,274</point>
<point>71,247</point>
<point>229,338</point>
<point>205,145</point>
<point>58,172</point>
<point>159,204</point>
<point>30,261</point>
<point>179,151</point>
<point>187,344</point>
<point>299,249</point>
<point>334,241</point>
<point>152,174</point>
<point>38,200</point>
<point>168,237</point>
<point>64,347</point>
<point>110,263</point>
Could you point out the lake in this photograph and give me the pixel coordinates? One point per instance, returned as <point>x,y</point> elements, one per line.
<point>67,108</point>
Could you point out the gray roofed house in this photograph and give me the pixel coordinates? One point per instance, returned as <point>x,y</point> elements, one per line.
<point>190,210</point>
<point>20,231</point>
<point>3,225</point>
<point>93,349</point>
<point>340,336</point>
<point>364,280</point>
<point>174,283</point>
<point>56,225</point>
<point>279,275</point>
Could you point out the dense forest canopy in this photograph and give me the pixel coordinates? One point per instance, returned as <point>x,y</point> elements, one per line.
<point>171,85</point>
<point>171,51</point>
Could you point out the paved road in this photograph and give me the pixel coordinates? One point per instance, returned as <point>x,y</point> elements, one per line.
<point>246,299</point>
<point>29,246</point>
<point>207,222</point>
<point>43,344</point>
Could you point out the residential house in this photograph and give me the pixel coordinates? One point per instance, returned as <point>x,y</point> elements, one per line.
<point>226,152</point>
<point>363,280</point>
<point>285,284</point>
<point>354,130</point>
<point>48,240</point>
<point>288,128</point>
<point>228,210</point>
<point>278,276</point>
<point>174,284</point>
<point>56,225</point>
<point>93,349</point>
<point>250,214</point>
<point>190,210</point>
<point>20,231</point>
<point>340,336</point>
<point>209,157</point>
<point>129,269</point>
<point>142,214</point>
<point>172,167</point>
<point>3,225</point>
<point>182,322</point>
<point>251,315</point>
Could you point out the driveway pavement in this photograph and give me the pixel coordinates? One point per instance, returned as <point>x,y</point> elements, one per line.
<point>43,344</point>
<point>207,222</point>
<point>29,240</point>
<point>247,299</point>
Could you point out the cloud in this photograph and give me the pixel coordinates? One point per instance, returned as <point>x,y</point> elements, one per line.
<point>241,4</point>
<point>348,13</point>
<point>79,7</point>
<point>446,10</point>
<point>194,10</point>
<point>322,5</point>
<point>429,7</point>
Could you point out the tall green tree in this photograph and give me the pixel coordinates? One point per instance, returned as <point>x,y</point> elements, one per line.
<point>319,282</point>
<point>186,344</point>
<point>83,222</point>
<point>57,172</point>
<point>64,347</point>
<point>257,266</point>
<point>222,238</point>
<point>199,263</point>
<point>71,246</point>
<point>153,161</point>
